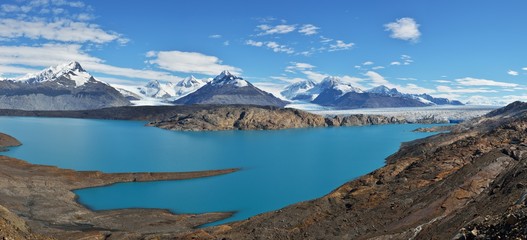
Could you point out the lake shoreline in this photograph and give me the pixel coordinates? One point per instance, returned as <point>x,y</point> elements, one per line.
<point>41,201</point>
<point>229,117</point>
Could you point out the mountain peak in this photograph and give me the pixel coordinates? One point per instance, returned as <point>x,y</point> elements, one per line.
<point>225,74</point>
<point>71,70</point>
<point>382,89</point>
<point>73,65</point>
<point>153,84</point>
<point>227,78</point>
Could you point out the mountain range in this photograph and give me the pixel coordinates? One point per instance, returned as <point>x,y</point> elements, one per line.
<point>333,92</point>
<point>69,87</point>
<point>63,87</point>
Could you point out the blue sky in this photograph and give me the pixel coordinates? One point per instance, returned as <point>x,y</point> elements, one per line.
<point>468,50</point>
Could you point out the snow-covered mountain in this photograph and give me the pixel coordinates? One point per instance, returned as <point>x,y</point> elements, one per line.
<point>227,88</point>
<point>308,90</point>
<point>158,93</point>
<point>299,91</point>
<point>188,85</point>
<point>384,91</point>
<point>71,71</point>
<point>334,92</point>
<point>64,87</point>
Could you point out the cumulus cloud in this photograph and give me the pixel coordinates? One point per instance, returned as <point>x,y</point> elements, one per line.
<point>308,29</point>
<point>405,29</point>
<point>38,57</point>
<point>189,62</point>
<point>395,63</point>
<point>63,30</point>
<point>468,81</point>
<point>215,36</point>
<point>340,45</point>
<point>278,29</point>
<point>524,69</point>
<point>367,63</point>
<point>512,73</point>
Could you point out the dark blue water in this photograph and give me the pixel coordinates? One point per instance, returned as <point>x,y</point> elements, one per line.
<point>278,167</point>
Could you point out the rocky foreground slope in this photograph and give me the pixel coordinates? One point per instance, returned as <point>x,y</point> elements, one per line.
<point>470,183</point>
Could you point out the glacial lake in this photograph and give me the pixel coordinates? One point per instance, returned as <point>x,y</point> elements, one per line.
<point>279,168</point>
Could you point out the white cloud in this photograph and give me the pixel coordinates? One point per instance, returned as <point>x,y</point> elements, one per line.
<point>367,63</point>
<point>407,60</point>
<point>443,81</point>
<point>276,47</point>
<point>377,67</point>
<point>8,8</point>
<point>405,29</point>
<point>190,62</point>
<point>298,66</point>
<point>468,81</point>
<point>254,43</point>
<point>325,39</point>
<point>58,30</point>
<point>512,73</point>
<point>407,79</point>
<point>315,76</point>
<point>354,81</point>
<point>524,69</point>
<point>287,79</point>
<point>446,89</point>
<point>215,36</point>
<point>278,29</point>
<point>495,101</point>
<point>273,88</point>
<point>6,70</point>
<point>279,48</point>
<point>395,63</point>
<point>377,79</point>
<point>54,54</point>
<point>340,45</point>
<point>308,29</point>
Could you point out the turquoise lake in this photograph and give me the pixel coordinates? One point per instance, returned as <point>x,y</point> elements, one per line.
<point>279,168</point>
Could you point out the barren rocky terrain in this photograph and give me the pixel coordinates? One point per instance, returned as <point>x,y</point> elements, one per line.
<point>37,202</point>
<point>469,183</point>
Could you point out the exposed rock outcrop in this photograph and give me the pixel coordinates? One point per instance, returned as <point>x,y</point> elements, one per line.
<point>243,118</point>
